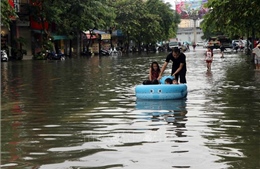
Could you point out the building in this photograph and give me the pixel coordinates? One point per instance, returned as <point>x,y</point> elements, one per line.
<point>191,13</point>
<point>25,34</point>
<point>186,30</point>
<point>19,28</point>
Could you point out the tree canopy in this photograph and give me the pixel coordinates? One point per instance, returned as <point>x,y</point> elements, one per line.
<point>146,22</point>
<point>233,18</point>
<point>7,13</point>
<point>141,21</point>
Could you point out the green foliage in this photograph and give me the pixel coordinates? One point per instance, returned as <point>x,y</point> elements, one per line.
<point>39,56</point>
<point>6,13</point>
<point>140,21</point>
<point>232,17</point>
<point>146,22</point>
<point>168,18</point>
<point>71,16</point>
<point>22,41</point>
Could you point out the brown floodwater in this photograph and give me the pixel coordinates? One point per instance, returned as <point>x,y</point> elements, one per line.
<point>83,113</point>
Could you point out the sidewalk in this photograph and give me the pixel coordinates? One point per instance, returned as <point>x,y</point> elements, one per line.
<point>27,57</point>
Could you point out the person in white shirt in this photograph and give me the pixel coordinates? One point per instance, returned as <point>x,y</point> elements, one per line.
<point>209,58</point>
<point>256,53</point>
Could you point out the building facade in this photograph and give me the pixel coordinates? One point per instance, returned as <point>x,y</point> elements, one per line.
<point>19,28</point>
<point>189,30</point>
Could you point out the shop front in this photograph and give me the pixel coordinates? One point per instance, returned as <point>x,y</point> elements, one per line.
<point>94,41</point>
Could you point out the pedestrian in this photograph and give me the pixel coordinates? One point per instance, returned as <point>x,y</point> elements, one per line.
<point>256,53</point>
<point>194,46</point>
<point>178,65</point>
<point>188,46</point>
<point>222,48</point>
<point>154,72</point>
<point>209,58</point>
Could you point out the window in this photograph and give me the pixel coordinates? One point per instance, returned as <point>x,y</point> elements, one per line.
<point>17,5</point>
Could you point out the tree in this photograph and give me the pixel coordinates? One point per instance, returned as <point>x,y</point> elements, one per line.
<point>69,17</point>
<point>81,15</point>
<point>168,21</point>
<point>223,18</point>
<point>7,13</point>
<point>145,22</point>
<point>128,15</point>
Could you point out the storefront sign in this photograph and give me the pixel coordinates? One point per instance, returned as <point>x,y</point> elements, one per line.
<point>105,36</point>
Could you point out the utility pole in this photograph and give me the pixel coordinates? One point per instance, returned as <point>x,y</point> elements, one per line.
<point>194,16</point>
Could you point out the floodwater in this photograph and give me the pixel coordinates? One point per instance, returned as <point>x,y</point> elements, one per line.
<point>83,113</point>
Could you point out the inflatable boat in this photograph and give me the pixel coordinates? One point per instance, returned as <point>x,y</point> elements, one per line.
<point>161,91</point>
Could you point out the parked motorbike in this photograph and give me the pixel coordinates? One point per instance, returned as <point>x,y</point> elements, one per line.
<point>4,57</point>
<point>51,55</point>
<point>104,52</point>
<point>184,48</point>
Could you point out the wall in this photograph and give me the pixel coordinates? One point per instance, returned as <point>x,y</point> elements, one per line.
<point>25,32</point>
<point>186,34</point>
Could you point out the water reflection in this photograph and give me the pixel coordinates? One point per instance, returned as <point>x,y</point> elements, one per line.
<point>172,112</point>
<point>175,105</point>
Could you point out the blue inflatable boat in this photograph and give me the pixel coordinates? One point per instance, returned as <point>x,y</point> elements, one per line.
<point>161,91</point>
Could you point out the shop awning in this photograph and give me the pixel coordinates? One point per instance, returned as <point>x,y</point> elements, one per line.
<point>104,35</point>
<point>54,36</point>
<point>60,37</point>
<point>117,33</point>
<point>38,31</point>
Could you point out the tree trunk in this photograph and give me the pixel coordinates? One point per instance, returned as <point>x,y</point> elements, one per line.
<point>139,46</point>
<point>128,42</point>
<point>70,52</point>
<point>78,43</point>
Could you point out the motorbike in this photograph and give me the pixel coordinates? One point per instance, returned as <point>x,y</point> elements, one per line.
<point>51,55</point>
<point>184,48</point>
<point>104,52</point>
<point>4,57</point>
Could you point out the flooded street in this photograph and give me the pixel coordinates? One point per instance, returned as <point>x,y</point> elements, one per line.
<point>83,113</point>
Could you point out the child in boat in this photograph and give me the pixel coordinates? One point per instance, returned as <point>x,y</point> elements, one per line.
<point>154,72</point>
<point>174,81</point>
<point>168,81</point>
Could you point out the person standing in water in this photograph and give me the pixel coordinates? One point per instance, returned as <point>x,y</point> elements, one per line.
<point>208,58</point>
<point>178,65</point>
<point>194,46</point>
<point>222,48</point>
